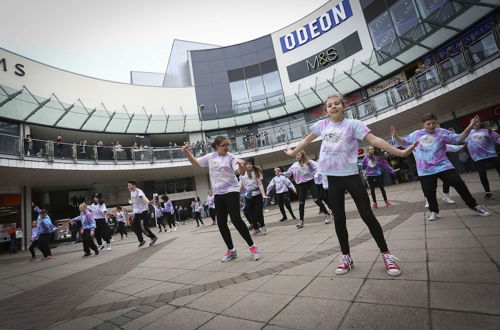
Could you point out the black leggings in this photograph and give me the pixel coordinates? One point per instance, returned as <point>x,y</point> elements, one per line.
<point>323,195</point>
<point>283,198</point>
<point>197,217</point>
<point>32,248</point>
<point>170,221</point>
<point>229,204</point>
<point>353,184</point>
<point>483,175</point>
<point>140,226</point>
<point>254,211</point>
<point>375,181</point>
<point>211,211</point>
<point>302,191</point>
<point>161,222</point>
<point>43,244</point>
<point>450,177</point>
<point>121,229</point>
<point>88,241</point>
<point>101,231</point>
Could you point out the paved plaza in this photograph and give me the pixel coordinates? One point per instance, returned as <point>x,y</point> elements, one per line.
<point>450,275</point>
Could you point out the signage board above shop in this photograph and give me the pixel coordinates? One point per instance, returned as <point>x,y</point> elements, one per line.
<point>318,26</point>
<point>324,59</point>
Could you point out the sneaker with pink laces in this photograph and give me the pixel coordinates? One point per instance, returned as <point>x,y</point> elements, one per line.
<point>387,203</point>
<point>255,253</point>
<point>391,266</point>
<point>229,255</point>
<point>345,265</point>
<point>374,206</point>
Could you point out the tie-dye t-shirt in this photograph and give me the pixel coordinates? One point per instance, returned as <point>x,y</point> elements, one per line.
<point>373,167</point>
<point>281,183</point>
<point>339,148</point>
<point>430,154</point>
<point>302,173</point>
<point>221,169</point>
<point>481,143</point>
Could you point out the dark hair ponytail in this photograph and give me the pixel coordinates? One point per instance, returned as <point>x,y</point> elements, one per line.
<point>218,141</point>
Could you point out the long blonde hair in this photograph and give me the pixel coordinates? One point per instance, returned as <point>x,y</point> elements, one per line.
<point>303,159</point>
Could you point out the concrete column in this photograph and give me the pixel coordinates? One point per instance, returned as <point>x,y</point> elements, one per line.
<point>26,215</point>
<point>202,186</point>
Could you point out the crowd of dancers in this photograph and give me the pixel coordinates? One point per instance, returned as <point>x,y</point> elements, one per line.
<point>327,180</point>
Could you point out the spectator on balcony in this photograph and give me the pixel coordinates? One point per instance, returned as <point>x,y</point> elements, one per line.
<point>83,148</point>
<point>28,145</point>
<point>100,148</point>
<point>59,146</point>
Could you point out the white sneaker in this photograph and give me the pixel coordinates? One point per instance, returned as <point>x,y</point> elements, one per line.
<point>433,216</point>
<point>229,255</point>
<point>426,203</point>
<point>168,230</point>
<point>481,211</point>
<point>345,264</point>
<point>175,228</point>
<point>109,247</point>
<point>328,219</point>
<point>447,200</point>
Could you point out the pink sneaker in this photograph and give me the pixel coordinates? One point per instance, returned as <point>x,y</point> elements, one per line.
<point>229,255</point>
<point>374,206</point>
<point>391,266</point>
<point>345,265</point>
<point>387,203</point>
<point>255,253</point>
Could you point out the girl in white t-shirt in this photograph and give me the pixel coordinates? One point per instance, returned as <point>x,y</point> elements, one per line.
<point>222,166</point>
<point>251,183</point>
<point>338,161</point>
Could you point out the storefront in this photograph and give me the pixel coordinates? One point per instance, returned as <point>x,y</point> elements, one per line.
<point>10,216</point>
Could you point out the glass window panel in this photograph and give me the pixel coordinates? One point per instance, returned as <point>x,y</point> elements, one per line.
<point>210,124</point>
<point>239,96</point>
<point>382,31</point>
<point>19,107</point>
<point>272,84</point>
<point>260,116</point>
<point>404,15</point>
<point>74,118</point>
<point>227,122</point>
<point>483,48</point>
<point>137,125</point>
<point>175,124</point>
<point>242,120</point>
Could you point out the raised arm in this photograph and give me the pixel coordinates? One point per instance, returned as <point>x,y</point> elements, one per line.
<point>270,187</point>
<point>189,155</point>
<point>382,144</point>
<point>467,130</point>
<point>302,144</point>
<point>395,137</point>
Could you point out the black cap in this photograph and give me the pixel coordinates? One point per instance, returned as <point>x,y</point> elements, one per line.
<point>250,160</point>
<point>98,195</point>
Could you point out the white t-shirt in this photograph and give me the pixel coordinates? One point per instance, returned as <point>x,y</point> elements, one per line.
<point>139,205</point>
<point>98,210</point>
<point>250,184</point>
<point>221,169</point>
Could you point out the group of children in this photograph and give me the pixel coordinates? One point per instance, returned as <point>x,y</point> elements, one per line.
<point>335,173</point>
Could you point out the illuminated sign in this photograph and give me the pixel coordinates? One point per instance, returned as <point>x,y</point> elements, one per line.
<point>326,22</point>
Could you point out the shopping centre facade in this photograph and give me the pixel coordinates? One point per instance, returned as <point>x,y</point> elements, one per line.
<point>392,60</point>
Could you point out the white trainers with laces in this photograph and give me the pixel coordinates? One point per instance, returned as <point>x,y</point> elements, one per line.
<point>433,216</point>
<point>109,247</point>
<point>481,211</point>
<point>447,200</point>
<point>229,255</point>
<point>255,253</point>
<point>345,265</point>
<point>328,219</point>
<point>426,203</point>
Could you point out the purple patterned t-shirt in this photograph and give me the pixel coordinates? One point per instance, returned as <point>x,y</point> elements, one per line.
<point>430,154</point>
<point>339,148</point>
<point>302,173</point>
<point>373,167</point>
<point>481,143</point>
<point>221,169</point>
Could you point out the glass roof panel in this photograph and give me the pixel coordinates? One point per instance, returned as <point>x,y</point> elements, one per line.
<point>293,104</point>
<point>48,114</point>
<point>324,90</point>
<point>242,120</point>
<point>363,75</point>
<point>412,54</point>
<point>227,122</point>
<point>138,124</point>
<point>19,107</point>
<point>309,99</point>
<point>344,84</point>
<point>97,122</point>
<point>157,124</point>
<point>175,124</point>
<point>74,118</point>
<point>277,112</point>
<point>192,123</point>
<point>260,116</point>
<point>210,124</point>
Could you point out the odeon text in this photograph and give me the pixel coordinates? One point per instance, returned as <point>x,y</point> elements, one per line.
<point>333,17</point>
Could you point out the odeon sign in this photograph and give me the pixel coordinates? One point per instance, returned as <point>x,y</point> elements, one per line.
<point>326,22</point>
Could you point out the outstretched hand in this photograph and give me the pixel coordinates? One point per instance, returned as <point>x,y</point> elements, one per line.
<point>408,150</point>
<point>240,162</point>
<point>185,150</point>
<point>393,131</point>
<point>288,152</point>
